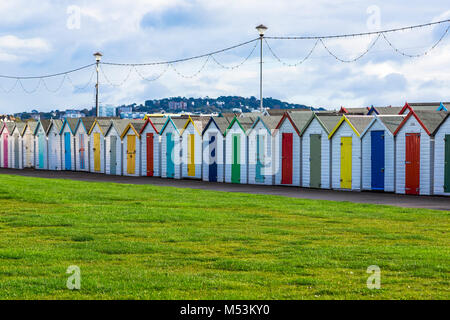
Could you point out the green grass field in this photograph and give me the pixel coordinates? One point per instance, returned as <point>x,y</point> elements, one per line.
<point>146,242</point>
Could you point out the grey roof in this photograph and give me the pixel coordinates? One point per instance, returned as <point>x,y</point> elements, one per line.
<point>250,114</point>
<point>200,122</point>
<point>158,122</point>
<point>10,125</point>
<point>431,119</point>
<point>359,111</point>
<point>119,125</point>
<point>179,123</point>
<point>221,122</point>
<point>301,119</point>
<point>57,123</point>
<point>425,106</point>
<point>360,122</point>
<point>138,124</point>
<point>271,122</point>
<point>45,123</point>
<point>87,122</point>
<point>20,126</point>
<point>443,120</point>
<point>246,122</point>
<point>391,121</point>
<point>388,110</point>
<point>280,112</point>
<point>72,122</point>
<point>329,121</point>
<point>32,125</point>
<point>104,124</point>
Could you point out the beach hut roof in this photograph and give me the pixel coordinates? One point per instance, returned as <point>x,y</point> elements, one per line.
<point>299,120</point>
<point>20,127</point>
<point>421,106</point>
<point>429,120</point>
<point>156,122</point>
<point>45,123</point>
<point>198,122</point>
<point>328,121</point>
<point>443,120</point>
<point>389,110</point>
<point>71,122</point>
<point>54,122</point>
<point>269,122</point>
<point>358,123</point>
<point>136,125</point>
<point>87,123</point>
<point>119,125</point>
<point>32,125</point>
<point>10,125</point>
<point>358,111</point>
<point>221,123</point>
<point>103,124</point>
<point>390,122</point>
<point>281,112</point>
<point>245,123</point>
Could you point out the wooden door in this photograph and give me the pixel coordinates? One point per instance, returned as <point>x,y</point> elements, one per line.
<point>447,164</point>
<point>131,154</point>
<point>16,151</point>
<point>67,151</point>
<point>236,159</point>
<point>5,150</point>
<point>315,160</point>
<point>260,143</point>
<point>212,172</point>
<point>97,166</point>
<point>41,146</point>
<point>346,162</point>
<point>286,158</point>
<point>82,152</point>
<point>412,163</point>
<point>170,144</point>
<point>191,155</point>
<point>113,155</point>
<point>377,160</point>
<point>150,166</point>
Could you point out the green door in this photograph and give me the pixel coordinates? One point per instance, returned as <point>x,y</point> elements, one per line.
<point>259,175</point>
<point>315,160</point>
<point>447,164</point>
<point>236,159</point>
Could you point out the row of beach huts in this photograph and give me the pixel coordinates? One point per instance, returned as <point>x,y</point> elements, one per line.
<point>393,149</point>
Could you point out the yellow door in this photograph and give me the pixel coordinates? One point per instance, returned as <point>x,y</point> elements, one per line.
<point>191,155</point>
<point>346,162</point>
<point>131,154</point>
<point>97,151</point>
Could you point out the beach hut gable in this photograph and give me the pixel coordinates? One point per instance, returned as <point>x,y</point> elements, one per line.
<point>343,119</point>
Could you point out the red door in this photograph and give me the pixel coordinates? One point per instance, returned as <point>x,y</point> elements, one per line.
<point>150,154</point>
<point>286,158</point>
<point>412,163</point>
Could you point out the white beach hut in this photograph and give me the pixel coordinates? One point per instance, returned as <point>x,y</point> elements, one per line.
<point>54,145</point>
<point>288,147</point>
<point>41,144</point>
<point>442,157</point>
<point>346,152</point>
<point>151,146</point>
<point>81,134</point>
<point>16,146</point>
<point>113,145</point>
<point>67,133</point>
<point>171,148</point>
<point>28,144</point>
<point>236,152</point>
<point>414,152</point>
<point>97,144</point>
<point>378,153</point>
<point>261,144</point>
<point>131,150</point>
<point>191,148</point>
<point>316,151</point>
<point>214,149</point>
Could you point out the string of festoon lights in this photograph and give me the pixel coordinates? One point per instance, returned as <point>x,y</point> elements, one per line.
<point>136,68</point>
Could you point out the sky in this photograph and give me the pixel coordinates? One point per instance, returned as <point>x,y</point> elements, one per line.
<point>39,37</point>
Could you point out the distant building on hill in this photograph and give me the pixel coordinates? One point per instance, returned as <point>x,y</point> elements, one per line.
<point>132,115</point>
<point>107,111</point>
<point>175,105</point>
<point>72,114</point>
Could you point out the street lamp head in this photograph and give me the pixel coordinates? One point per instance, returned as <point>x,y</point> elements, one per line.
<point>98,56</point>
<point>261,29</point>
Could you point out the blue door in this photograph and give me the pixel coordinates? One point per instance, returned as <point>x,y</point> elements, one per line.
<point>377,142</point>
<point>213,158</point>
<point>67,153</point>
<point>169,156</point>
<point>41,150</point>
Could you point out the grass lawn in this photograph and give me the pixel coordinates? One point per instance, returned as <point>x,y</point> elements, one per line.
<point>147,242</point>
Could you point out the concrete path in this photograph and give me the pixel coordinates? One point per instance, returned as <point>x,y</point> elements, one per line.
<point>428,202</point>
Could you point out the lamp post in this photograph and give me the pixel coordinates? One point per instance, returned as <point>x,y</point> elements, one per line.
<point>261,29</point>
<point>98,57</point>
